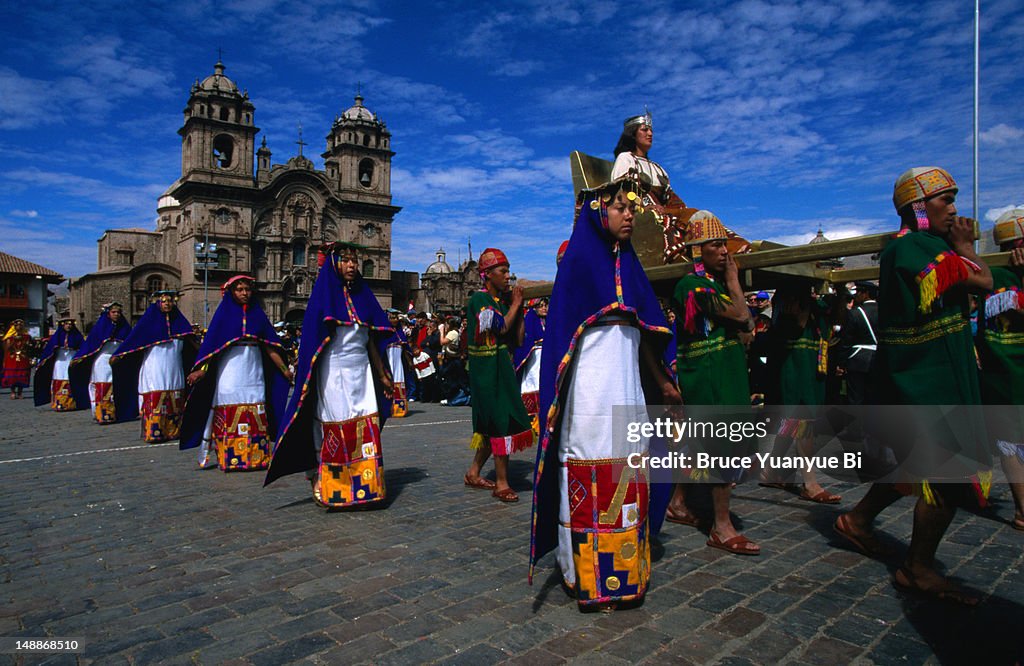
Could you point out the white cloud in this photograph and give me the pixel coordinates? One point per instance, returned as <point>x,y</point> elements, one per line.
<point>1001,135</point>
<point>25,213</point>
<point>992,214</point>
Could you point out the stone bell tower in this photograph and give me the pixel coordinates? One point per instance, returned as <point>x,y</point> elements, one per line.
<point>358,155</point>
<point>218,135</point>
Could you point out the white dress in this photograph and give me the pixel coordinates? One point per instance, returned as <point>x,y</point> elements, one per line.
<point>101,372</point>
<point>605,373</point>
<point>61,363</point>
<point>161,368</point>
<point>239,382</point>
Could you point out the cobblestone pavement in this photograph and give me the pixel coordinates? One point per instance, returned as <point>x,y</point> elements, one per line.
<point>147,559</point>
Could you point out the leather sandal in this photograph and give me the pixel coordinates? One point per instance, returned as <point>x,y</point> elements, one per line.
<point>506,495</point>
<point>480,483</point>
<point>736,545</point>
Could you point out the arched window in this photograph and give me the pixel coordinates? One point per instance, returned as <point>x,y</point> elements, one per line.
<point>225,114</point>
<point>223,260</point>
<point>154,284</point>
<point>298,253</point>
<point>223,151</point>
<point>366,173</point>
<point>259,251</point>
<point>366,139</point>
<point>368,268</point>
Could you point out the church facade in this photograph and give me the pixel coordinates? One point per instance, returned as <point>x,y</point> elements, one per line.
<point>266,220</point>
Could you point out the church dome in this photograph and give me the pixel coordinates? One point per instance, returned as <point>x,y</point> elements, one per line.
<point>217,82</point>
<point>358,111</point>
<point>818,238</point>
<point>440,266</point>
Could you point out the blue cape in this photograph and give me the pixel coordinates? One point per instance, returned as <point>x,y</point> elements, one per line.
<point>232,323</point>
<point>597,275</point>
<point>153,328</point>
<point>102,332</point>
<point>331,304</point>
<point>44,367</point>
<point>533,336</point>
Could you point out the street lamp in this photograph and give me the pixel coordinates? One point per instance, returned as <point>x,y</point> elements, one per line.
<point>205,259</point>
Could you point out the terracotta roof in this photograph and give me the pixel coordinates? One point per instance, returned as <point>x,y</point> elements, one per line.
<point>11,264</point>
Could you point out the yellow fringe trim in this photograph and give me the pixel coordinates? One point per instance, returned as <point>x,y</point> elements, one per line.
<point>479,441</point>
<point>700,475</point>
<point>928,494</point>
<point>929,292</point>
<point>985,481</point>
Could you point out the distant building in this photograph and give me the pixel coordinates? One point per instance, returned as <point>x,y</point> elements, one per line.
<point>444,289</point>
<point>24,293</point>
<point>265,220</point>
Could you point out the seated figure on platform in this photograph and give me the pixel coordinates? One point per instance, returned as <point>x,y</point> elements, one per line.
<point>90,368</point>
<point>239,385</point>
<point>51,382</point>
<point>150,366</point>
<point>333,422</point>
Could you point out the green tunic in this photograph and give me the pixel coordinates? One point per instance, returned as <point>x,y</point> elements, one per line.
<point>1001,352</point>
<point>499,417</point>
<point>796,360</point>
<point>926,357</point>
<point>711,363</point>
<point>925,351</point>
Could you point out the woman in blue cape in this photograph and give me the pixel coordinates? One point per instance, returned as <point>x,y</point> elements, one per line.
<point>332,426</point>
<point>239,385</point>
<point>397,350</point>
<point>604,345</point>
<point>526,358</point>
<point>90,368</point>
<point>149,369</point>
<point>51,384</point>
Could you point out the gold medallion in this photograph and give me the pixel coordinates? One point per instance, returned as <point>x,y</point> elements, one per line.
<point>595,204</point>
<point>631,516</point>
<point>628,551</point>
<point>612,583</point>
<point>367,474</point>
<point>361,494</point>
<point>631,196</point>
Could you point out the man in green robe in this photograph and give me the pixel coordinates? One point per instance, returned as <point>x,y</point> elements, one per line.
<point>711,363</point>
<point>500,423</point>
<point>1001,354</point>
<point>925,357</point>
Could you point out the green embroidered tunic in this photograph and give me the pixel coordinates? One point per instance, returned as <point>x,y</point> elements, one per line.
<point>1001,352</point>
<point>799,361</point>
<point>926,357</point>
<point>711,362</point>
<point>499,417</point>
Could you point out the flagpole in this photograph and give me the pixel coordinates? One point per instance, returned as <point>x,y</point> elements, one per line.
<point>977,67</point>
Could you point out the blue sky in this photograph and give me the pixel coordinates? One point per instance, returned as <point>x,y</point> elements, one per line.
<point>777,116</point>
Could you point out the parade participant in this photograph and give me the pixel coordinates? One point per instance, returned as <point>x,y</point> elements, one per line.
<point>526,358</point>
<point>1001,352</point>
<point>859,341</point>
<point>926,357</point>
<point>239,385</point>
<point>17,363</point>
<point>604,341</point>
<point>50,384</point>
<point>90,368</point>
<point>561,252</point>
<point>150,365</point>
<point>711,363</point>
<point>397,352</point>
<point>797,369</point>
<point>500,423</point>
<point>332,426</point>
